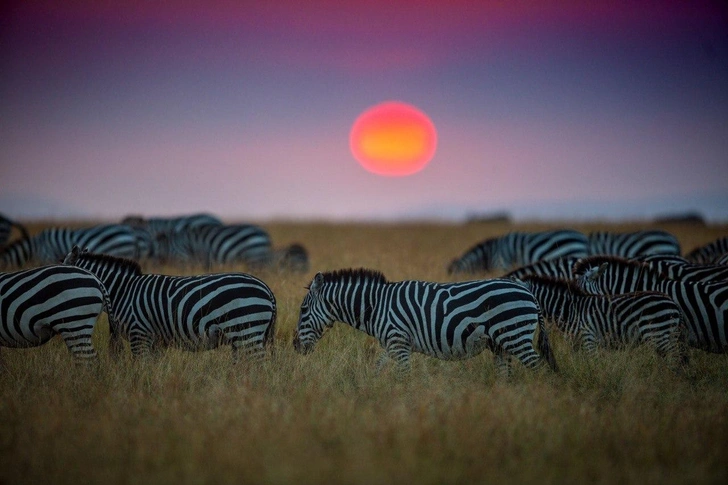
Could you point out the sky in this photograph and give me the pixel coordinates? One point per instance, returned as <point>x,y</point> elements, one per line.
<point>545,110</point>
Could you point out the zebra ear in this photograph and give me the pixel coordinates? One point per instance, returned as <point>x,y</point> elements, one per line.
<point>595,274</point>
<point>317,282</point>
<point>72,256</point>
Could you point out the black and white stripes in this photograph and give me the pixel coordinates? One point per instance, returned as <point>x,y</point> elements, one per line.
<point>190,312</point>
<point>38,303</point>
<point>51,245</point>
<point>447,321</point>
<point>520,248</point>
<point>611,321</point>
<point>704,305</point>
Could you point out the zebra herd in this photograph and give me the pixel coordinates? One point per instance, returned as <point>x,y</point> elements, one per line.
<point>601,290</point>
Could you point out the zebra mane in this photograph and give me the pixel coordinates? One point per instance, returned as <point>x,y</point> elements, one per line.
<point>571,286</point>
<point>106,259</point>
<point>354,275</point>
<point>583,264</point>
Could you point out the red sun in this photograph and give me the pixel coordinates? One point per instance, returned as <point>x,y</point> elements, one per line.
<point>393,138</point>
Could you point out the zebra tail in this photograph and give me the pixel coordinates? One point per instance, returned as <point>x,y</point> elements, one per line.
<point>271,330</point>
<point>114,329</point>
<point>544,347</point>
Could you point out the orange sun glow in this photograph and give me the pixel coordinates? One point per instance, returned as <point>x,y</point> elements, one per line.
<point>393,138</point>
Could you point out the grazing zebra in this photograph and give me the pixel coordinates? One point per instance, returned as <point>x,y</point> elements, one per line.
<point>704,305</point>
<point>149,231</point>
<point>190,312</point>
<point>51,245</point>
<point>36,304</point>
<point>520,249</point>
<point>230,244</point>
<point>555,268</point>
<point>709,253</point>
<point>678,268</point>
<point>632,244</point>
<point>6,228</point>
<point>448,321</point>
<point>611,321</point>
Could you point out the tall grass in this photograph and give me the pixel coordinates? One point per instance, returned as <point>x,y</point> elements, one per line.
<point>183,417</point>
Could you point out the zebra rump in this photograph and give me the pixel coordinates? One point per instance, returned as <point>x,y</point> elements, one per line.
<point>632,244</point>
<point>448,321</point>
<point>519,249</point>
<point>36,304</point>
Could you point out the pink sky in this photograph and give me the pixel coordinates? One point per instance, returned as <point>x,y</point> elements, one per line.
<point>244,109</point>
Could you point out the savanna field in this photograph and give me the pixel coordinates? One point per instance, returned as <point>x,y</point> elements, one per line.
<point>328,417</point>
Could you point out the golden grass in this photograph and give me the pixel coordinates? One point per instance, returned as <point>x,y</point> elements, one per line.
<point>327,417</point>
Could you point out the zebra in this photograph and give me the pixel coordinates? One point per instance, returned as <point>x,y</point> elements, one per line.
<point>38,303</point>
<point>555,268</point>
<point>229,244</point>
<point>709,253</point>
<point>611,321</point>
<point>704,305</point>
<point>51,245</point>
<point>6,228</point>
<point>189,312</point>
<point>632,244</point>
<point>449,321</point>
<point>678,268</point>
<point>519,249</point>
<point>149,231</point>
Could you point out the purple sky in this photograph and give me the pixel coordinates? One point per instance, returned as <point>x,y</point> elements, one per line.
<point>243,109</point>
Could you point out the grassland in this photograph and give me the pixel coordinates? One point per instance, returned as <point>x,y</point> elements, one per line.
<point>327,418</point>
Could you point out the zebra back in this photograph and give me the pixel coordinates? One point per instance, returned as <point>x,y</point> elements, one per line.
<point>555,268</point>
<point>519,249</point>
<point>632,244</point>
<point>710,253</point>
<point>678,268</point>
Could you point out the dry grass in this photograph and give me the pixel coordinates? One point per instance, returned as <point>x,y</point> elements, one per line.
<point>326,417</point>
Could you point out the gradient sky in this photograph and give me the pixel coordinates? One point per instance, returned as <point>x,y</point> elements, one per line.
<point>243,109</point>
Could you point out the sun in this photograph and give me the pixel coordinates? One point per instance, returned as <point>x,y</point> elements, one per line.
<point>393,139</point>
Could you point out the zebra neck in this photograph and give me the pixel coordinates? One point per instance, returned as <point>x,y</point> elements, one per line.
<point>116,280</point>
<point>356,304</point>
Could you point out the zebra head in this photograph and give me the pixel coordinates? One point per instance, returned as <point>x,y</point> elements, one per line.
<point>588,279</point>
<point>315,317</point>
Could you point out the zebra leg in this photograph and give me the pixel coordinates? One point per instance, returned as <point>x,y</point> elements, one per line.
<point>141,344</point>
<point>502,363</point>
<point>382,360</point>
<point>400,350</point>
<point>79,343</point>
<point>589,343</point>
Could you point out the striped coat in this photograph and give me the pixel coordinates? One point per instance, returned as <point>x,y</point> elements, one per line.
<point>38,303</point>
<point>446,321</point>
